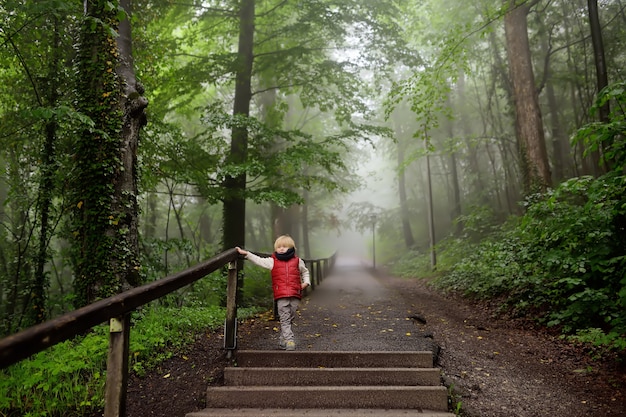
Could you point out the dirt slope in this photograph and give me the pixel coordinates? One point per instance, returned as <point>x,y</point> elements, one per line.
<point>502,367</point>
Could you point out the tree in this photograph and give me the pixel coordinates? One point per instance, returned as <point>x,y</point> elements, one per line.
<point>528,121</point>
<point>105,180</point>
<point>602,79</point>
<point>234,200</point>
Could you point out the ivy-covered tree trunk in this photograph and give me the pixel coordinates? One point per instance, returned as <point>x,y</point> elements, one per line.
<point>528,122</point>
<point>104,182</point>
<point>39,290</point>
<point>39,309</point>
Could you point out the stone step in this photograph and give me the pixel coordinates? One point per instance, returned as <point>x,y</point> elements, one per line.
<point>335,397</point>
<point>325,359</point>
<point>235,376</point>
<point>328,384</point>
<point>314,412</point>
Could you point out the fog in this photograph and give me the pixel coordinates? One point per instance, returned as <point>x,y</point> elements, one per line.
<point>353,243</point>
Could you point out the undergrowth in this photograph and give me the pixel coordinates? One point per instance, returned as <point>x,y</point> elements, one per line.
<point>562,263</point>
<point>68,379</point>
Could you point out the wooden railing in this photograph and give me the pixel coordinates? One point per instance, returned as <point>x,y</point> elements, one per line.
<point>117,310</point>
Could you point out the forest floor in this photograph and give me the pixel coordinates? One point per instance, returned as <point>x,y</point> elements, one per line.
<point>495,366</point>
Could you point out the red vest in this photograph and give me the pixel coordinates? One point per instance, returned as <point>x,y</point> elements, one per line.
<point>286,278</point>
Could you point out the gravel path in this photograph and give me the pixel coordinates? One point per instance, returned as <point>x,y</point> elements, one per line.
<point>352,310</point>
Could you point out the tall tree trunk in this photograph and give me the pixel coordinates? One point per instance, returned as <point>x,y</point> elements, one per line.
<point>18,269</point>
<point>133,104</point>
<point>602,78</point>
<point>455,197</point>
<point>431,215</point>
<point>304,221</point>
<point>206,224</point>
<point>234,201</point>
<point>284,221</point>
<point>105,183</point>
<point>528,122</point>
<point>559,137</point>
<point>4,258</point>
<point>150,216</point>
<point>455,211</point>
<point>475,174</point>
<point>38,310</point>
<point>499,74</point>
<point>585,163</point>
<point>234,204</point>
<point>407,233</point>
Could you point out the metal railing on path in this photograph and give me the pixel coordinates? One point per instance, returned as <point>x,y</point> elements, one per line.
<point>117,310</point>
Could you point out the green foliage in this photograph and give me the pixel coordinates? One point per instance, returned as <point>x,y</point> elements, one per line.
<point>35,45</point>
<point>480,222</point>
<point>68,379</point>
<point>162,331</point>
<point>599,338</point>
<point>276,159</point>
<point>608,136</point>
<point>562,263</point>
<point>411,264</point>
<point>257,287</point>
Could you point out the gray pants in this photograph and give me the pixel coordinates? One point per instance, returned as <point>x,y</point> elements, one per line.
<point>287,312</point>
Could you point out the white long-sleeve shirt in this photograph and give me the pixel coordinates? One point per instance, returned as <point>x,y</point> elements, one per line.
<point>268,263</point>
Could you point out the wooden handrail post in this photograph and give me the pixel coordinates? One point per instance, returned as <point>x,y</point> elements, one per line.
<point>319,271</point>
<point>117,367</point>
<point>312,275</point>
<point>230,326</point>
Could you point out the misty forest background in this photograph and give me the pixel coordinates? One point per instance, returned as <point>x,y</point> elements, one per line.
<point>480,144</point>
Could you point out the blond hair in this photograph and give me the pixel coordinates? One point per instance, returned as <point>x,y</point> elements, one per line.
<point>285,241</point>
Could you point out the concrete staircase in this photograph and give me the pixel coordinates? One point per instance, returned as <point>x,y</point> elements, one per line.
<point>325,384</point>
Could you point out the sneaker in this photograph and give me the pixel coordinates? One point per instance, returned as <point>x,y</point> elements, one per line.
<point>291,345</point>
<point>282,344</point>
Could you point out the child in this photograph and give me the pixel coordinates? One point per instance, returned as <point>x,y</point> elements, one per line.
<point>289,277</point>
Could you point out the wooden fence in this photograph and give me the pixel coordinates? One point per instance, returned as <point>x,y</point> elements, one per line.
<point>117,311</point>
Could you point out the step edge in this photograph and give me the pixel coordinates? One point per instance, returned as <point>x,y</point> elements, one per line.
<point>298,388</point>
<point>321,369</point>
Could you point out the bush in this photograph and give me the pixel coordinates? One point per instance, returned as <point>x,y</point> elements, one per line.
<point>563,261</point>
<point>257,287</point>
<point>411,264</point>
